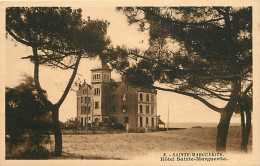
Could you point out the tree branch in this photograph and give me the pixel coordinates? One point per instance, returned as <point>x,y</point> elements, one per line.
<point>248,88</point>
<point>67,89</point>
<point>220,11</point>
<point>194,71</point>
<point>166,20</point>
<point>213,93</point>
<point>17,38</point>
<point>36,79</point>
<point>214,108</point>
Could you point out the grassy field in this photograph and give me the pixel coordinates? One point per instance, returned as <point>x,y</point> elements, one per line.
<point>132,145</point>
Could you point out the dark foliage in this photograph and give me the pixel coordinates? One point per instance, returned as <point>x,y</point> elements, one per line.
<point>192,49</point>
<point>28,123</point>
<point>72,123</point>
<point>118,126</point>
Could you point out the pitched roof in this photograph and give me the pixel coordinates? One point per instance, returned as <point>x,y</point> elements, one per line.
<point>160,121</point>
<point>101,65</point>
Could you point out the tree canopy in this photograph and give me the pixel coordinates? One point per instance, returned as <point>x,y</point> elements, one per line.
<point>196,51</point>
<point>57,33</point>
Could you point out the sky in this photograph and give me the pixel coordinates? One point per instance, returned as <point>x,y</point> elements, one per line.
<point>181,108</point>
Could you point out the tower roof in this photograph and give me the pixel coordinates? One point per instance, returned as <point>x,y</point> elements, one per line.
<point>101,65</point>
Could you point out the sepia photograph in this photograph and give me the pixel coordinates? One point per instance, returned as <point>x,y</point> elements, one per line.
<point>129,84</point>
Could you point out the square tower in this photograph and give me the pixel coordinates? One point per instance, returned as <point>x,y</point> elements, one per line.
<point>100,79</point>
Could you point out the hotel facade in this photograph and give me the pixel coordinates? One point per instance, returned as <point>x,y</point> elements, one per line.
<point>107,102</point>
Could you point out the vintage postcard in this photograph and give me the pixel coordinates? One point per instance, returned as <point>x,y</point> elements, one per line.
<point>129,83</point>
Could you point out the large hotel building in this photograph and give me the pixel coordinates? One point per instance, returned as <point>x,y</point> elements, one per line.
<point>106,101</point>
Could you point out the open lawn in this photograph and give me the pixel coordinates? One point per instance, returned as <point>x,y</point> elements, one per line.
<point>132,145</point>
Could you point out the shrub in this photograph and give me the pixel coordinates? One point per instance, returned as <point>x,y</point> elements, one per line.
<point>29,148</point>
<point>28,123</point>
<point>118,126</point>
<point>72,124</point>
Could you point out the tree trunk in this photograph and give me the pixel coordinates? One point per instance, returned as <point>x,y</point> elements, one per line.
<point>223,127</point>
<point>246,131</point>
<point>57,132</point>
<point>242,115</point>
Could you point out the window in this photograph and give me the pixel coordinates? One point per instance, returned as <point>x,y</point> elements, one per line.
<point>114,87</point>
<point>105,76</point>
<point>78,99</point>
<point>106,88</point>
<point>89,109</point>
<point>96,105</point>
<point>89,118</point>
<point>147,109</point>
<point>152,98</point>
<point>146,121</point>
<point>81,99</point>
<point>82,109</point>
<point>152,109</point>
<point>97,91</point>
<point>126,87</point>
<point>141,108</point>
<point>86,99</point>
<point>81,122</point>
<point>124,97</point>
<point>113,97</point>
<point>86,110</point>
<point>141,97</point>
<point>152,121</point>
<point>113,119</point>
<point>147,97</point>
<point>141,121</point>
<point>123,108</point>
<point>126,120</point>
<point>113,109</point>
<point>96,76</point>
